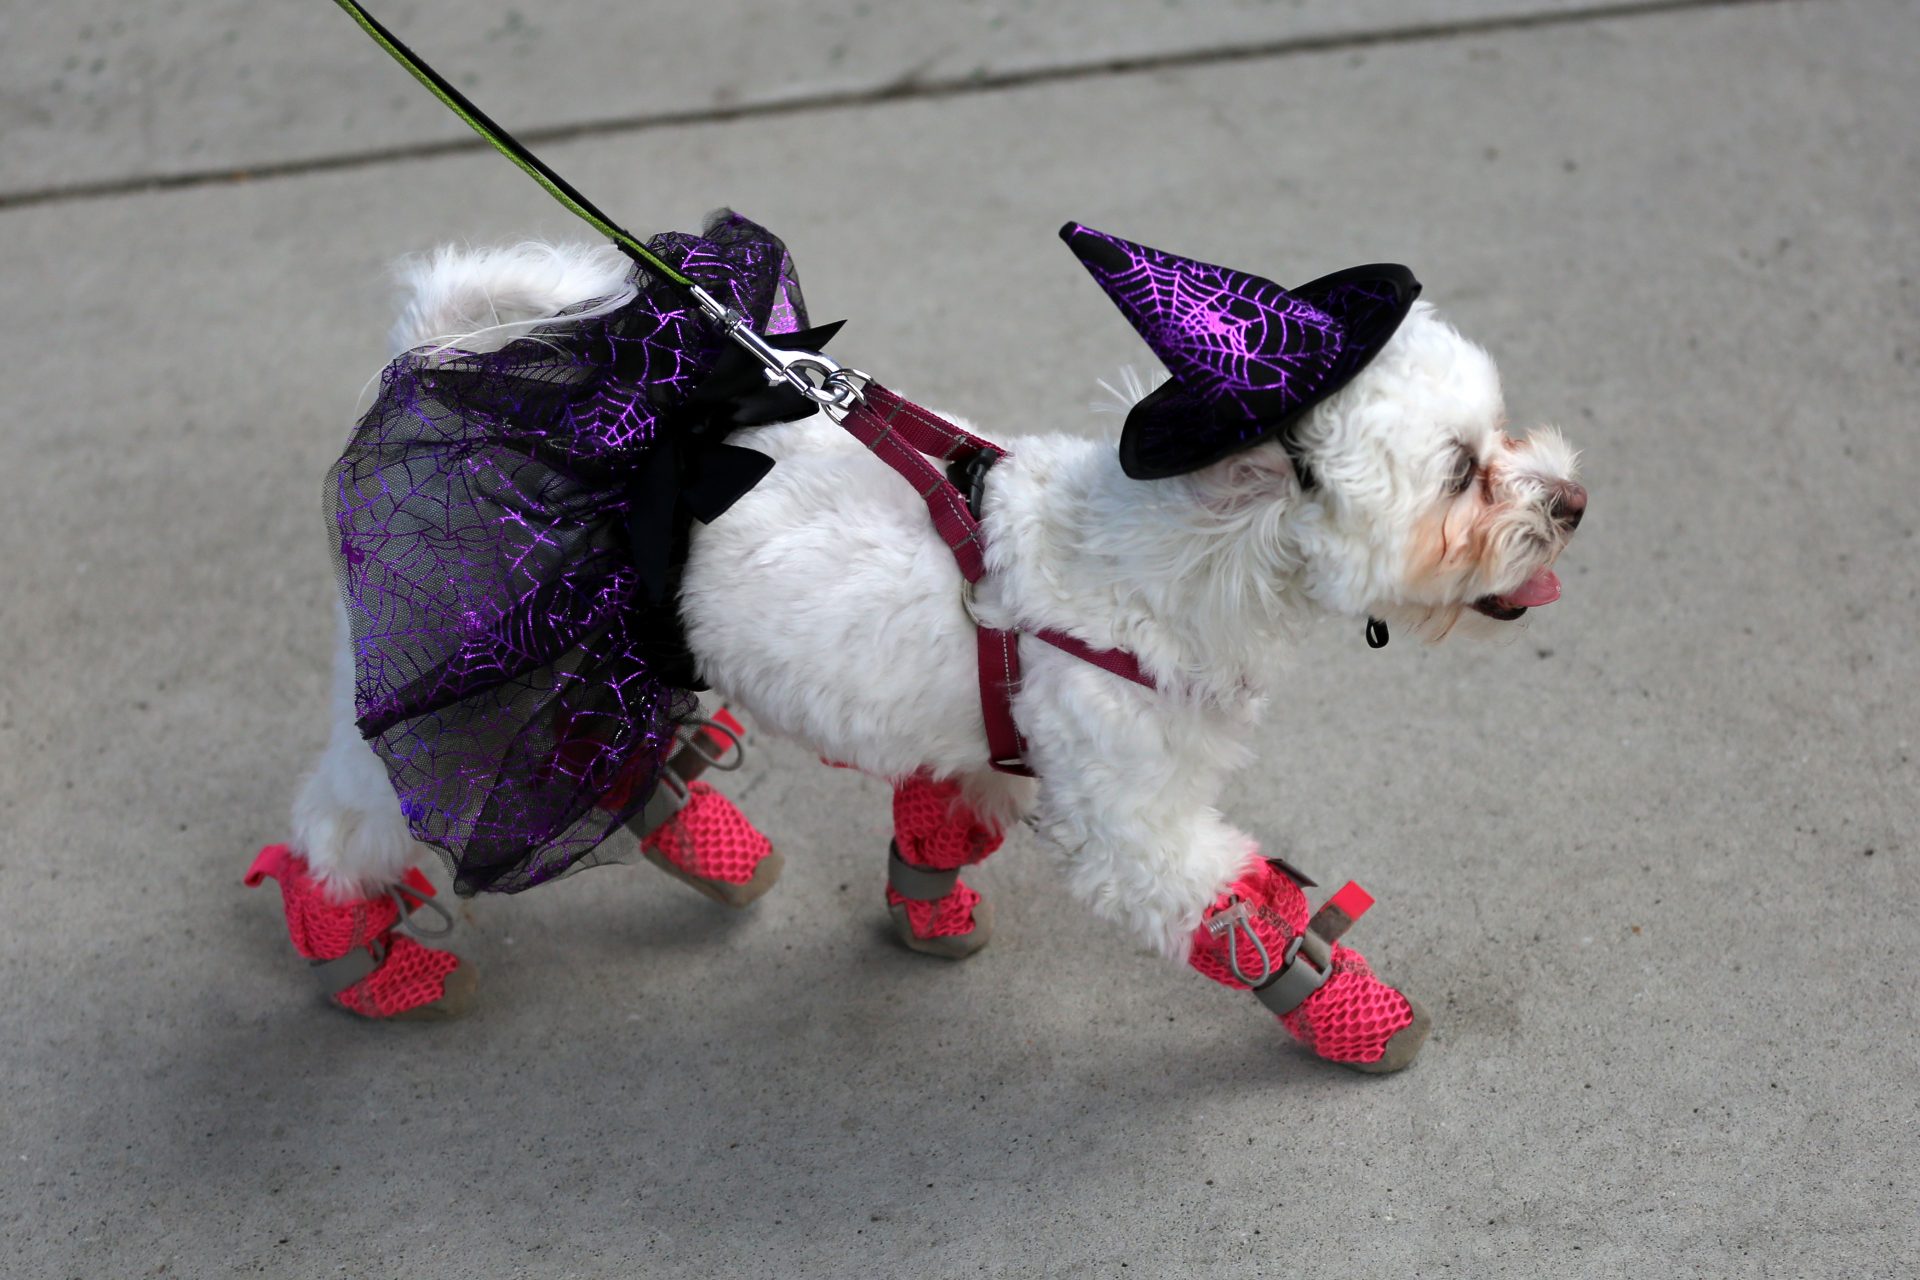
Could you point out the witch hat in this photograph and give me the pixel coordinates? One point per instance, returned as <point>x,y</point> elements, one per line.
<point>1248,358</point>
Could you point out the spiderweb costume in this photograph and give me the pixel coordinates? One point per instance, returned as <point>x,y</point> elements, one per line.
<point>510,530</point>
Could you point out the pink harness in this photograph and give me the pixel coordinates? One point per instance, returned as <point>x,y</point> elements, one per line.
<point>905,436</point>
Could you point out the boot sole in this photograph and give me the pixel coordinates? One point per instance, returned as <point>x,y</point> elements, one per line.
<point>1402,1047</point>
<point>726,894</point>
<point>956,946</point>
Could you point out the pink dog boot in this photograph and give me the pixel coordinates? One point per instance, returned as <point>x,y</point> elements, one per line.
<point>1256,936</point>
<point>709,844</point>
<point>933,911</point>
<point>692,832</point>
<point>368,965</point>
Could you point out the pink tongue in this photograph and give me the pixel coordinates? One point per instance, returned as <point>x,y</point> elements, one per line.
<point>1542,588</point>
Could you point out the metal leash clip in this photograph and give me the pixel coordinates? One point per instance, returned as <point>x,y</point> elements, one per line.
<point>818,377</point>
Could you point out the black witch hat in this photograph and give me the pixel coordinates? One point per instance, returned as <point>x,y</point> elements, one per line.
<point>1248,358</point>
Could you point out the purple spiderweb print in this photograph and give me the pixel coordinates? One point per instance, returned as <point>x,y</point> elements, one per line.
<point>1234,341</point>
<point>517,683</point>
<point>1246,355</point>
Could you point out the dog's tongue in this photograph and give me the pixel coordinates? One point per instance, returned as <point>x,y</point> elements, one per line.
<point>1542,588</point>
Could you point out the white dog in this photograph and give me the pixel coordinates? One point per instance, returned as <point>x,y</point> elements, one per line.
<point>824,606</point>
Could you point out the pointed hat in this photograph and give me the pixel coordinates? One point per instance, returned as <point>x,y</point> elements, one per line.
<point>1248,358</point>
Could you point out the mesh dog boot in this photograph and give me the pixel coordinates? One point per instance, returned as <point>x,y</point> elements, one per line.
<point>1257,936</point>
<point>710,845</point>
<point>933,911</point>
<point>695,834</point>
<point>370,966</point>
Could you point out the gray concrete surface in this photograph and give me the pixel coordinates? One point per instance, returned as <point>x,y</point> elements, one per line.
<point>1653,864</point>
<point>100,92</point>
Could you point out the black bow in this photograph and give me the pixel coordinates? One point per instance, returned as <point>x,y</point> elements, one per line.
<point>691,472</point>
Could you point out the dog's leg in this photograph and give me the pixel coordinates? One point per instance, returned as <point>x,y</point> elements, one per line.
<point>1250,932</point>
<point>1130,800</point>
<point>348,883</point>
<point>936,833</point>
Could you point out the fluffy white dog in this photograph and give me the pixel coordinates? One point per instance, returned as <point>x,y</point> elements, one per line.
<point>824,606</point>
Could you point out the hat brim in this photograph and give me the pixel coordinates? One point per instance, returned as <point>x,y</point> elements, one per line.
<point>1174,431</point>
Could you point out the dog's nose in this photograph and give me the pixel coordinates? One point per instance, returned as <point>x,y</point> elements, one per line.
<point>1568,505</point>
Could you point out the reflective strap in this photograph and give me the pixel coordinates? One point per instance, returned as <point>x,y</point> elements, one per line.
<point>909,439</point>
<point>1296,981</point>
<point>669,797</point>
<point>727,752</point>
<point>918,884</point>
<point>337,975</point>
<point>1115,662</point>
<point>716,743</point>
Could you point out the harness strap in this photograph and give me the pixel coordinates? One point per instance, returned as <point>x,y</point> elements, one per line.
<point>1113,661</point>
<point>999,653</point>
<point>903,435</point>
<point>907,437</point>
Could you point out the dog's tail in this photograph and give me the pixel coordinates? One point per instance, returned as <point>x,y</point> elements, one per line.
<point>482,299</point>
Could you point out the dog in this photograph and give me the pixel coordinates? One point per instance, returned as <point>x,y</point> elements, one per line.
<point>824,606</point>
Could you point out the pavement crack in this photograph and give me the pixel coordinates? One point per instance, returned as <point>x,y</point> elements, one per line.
<point>911,85</point>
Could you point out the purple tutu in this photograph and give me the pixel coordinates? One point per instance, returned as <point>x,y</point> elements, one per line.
<point>509,530</point>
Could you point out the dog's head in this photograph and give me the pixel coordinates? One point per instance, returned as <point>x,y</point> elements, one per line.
<point>1421,509</point>
<point>1354,409</point>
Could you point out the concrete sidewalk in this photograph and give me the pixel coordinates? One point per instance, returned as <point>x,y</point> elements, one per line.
<point>1653,865</point>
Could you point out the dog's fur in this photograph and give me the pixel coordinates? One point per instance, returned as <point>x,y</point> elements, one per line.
<point>825,607</point>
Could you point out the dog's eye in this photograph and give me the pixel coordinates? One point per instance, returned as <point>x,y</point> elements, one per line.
<point>1460,479</point>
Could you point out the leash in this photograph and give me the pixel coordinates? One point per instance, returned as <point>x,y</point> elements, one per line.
<point>814,375</point>
<point>899,432</point>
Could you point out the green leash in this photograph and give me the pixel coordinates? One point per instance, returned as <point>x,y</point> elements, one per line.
<point>511,147</point>
<point>818,377</point>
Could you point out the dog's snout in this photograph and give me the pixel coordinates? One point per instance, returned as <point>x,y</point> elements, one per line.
<point>1568,504</point>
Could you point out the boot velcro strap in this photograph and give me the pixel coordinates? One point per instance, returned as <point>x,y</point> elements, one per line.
<point>719,743</point>
<point>918,884</point>
<point>669,797</point>
<point>1304,969</point>
<point>337,975</point>
<point>1288,989</point>
<point>410,896</point>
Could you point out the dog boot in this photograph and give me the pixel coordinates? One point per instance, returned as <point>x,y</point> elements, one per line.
<point>710,845</point>
<point>695,834</point>
<point>933,911</point>
<point>1256,936</point>
<point>369,965</point>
